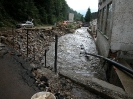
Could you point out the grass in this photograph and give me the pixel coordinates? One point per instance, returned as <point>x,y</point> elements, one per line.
<point>71,26</point>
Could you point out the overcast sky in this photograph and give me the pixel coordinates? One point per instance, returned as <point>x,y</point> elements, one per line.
<point>81,6</point>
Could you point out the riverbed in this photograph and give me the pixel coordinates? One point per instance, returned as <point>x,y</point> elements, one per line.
<point>71,54</point>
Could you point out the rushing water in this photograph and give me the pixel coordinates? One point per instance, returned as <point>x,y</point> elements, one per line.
<point>71,49</point>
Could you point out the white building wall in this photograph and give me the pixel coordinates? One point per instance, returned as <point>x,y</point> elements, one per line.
<point>122,30</point>
<point>102,41</point>
<point>102,44</point>
<point>71,17</point>
<point>120,36</point>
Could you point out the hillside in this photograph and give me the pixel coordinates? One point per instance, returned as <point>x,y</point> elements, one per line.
<point>42,11</point>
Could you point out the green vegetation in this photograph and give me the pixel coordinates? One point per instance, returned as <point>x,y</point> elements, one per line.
<point>88,15</point>
<point>71,26</point>
<point>42,11</point>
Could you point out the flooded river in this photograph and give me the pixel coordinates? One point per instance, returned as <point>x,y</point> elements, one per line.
<point>71,49</point>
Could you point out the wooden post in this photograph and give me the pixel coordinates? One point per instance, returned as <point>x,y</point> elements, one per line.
<point>27,42</point>
<point>34,53</point>
<point>45,57</point>
<point>13,35</point>
<point>56,44</point>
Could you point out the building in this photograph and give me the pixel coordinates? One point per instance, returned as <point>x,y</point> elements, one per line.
<point>115,39</point>
<point>115,28</point>
<point>71,17</point>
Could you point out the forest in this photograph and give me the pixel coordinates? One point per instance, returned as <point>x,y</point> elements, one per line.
<point>42,11</point>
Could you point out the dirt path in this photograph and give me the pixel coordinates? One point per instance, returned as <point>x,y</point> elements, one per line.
<point>12,85</point>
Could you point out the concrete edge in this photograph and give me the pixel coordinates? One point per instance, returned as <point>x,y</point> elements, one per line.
<point>97,86</point>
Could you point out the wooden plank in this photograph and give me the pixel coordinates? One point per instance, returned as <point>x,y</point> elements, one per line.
<point>125,78</point>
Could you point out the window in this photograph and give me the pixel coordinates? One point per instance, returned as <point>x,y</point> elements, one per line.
<point>109,18</point>
<point>103,20</point>
<point>99,18</point>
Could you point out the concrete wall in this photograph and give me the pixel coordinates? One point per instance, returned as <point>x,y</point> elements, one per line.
<point>120,38</point>
<point>122,31</point>
<point>102,44</point>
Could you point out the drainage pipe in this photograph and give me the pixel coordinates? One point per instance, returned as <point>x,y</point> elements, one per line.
<point>118,65</point>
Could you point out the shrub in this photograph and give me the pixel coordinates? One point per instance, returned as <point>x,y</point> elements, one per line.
<point>70,26</point>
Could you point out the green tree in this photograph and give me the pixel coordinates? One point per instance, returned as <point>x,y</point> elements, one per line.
<point>43,15</point>
<point>88,15</point>
<point>42,11</point>
<point>82,18</point>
